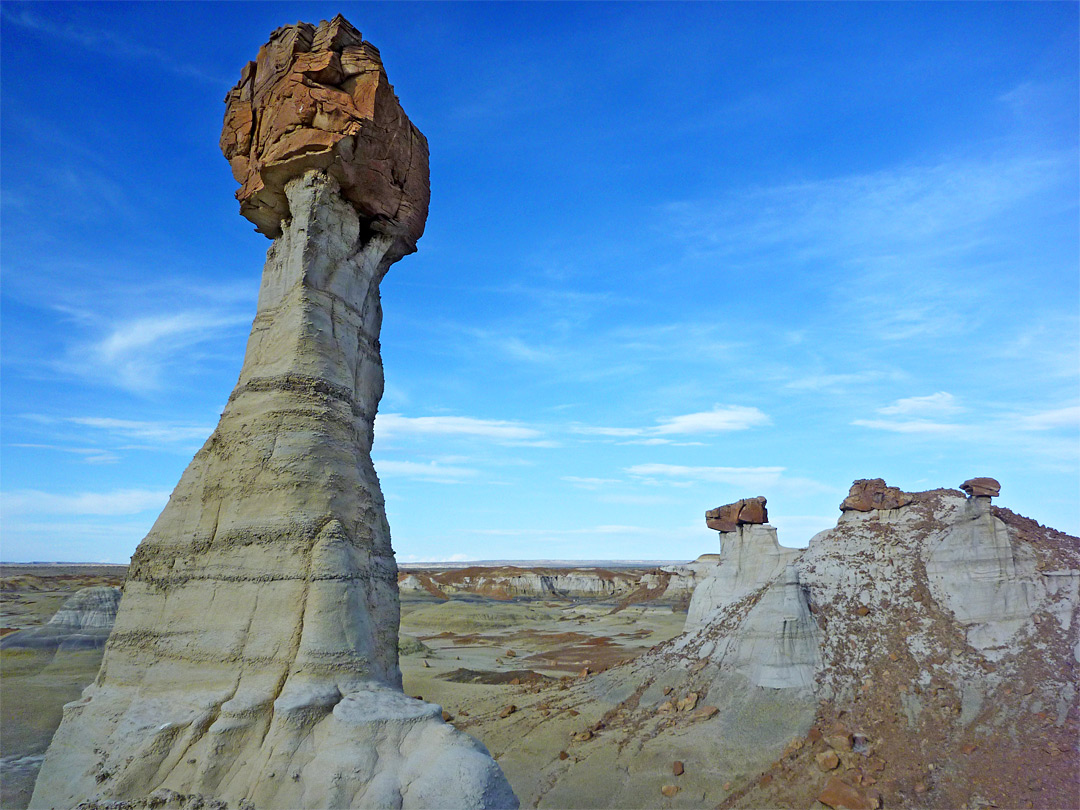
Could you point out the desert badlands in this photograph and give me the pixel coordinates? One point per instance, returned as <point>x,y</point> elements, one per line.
<point>267,652</point>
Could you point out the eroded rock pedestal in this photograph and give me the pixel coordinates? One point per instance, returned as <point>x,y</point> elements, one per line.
<point>254,657</point>
<point>925,628</point>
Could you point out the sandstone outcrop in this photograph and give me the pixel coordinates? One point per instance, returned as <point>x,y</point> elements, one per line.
<point>981,487</point>
<point>911,633</point>
<point>746,512</point>
<point>868,494</point>
<point>318,98</point>
<point>672,583</point>
<point>84,621</point>
<point>254,657</point>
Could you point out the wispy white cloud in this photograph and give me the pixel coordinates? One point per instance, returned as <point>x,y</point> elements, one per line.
<point>735,476</point>
<point>940,404</point>
<point>425,471</point>
<point>896,241</point>
<point>834,382</point>
<point>914,426</point>
<point>157,433</point>
<point>1049,420</point>
<point>590,483</point>
<point>91,455</point>
<point>388,425</point>
<point>144,354</point>
<point>720,419</point>
<point>116,502</point>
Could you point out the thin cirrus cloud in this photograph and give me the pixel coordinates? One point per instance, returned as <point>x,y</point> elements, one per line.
<point>1068,417</point>
<point>940,404</point>
<point>99,40</point>
<point>91,455</point>
<point>734,476</point>
<point>919,416</point>
<point>720,419</point>
<point>126,430</point>
<point>136,354</point>
<point>432,471</point>
<point>116,502</point>
<point>390,425</point>
<point>869,215</point>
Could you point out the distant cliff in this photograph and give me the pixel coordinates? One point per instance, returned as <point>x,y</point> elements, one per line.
<point>673,583</point>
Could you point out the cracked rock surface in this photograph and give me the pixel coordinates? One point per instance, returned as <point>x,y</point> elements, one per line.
<point>253,662</point>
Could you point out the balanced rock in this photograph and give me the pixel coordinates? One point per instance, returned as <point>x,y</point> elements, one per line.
<point>254,659</point>
<point>318,98</point>
<point>981,488</point>
<point>868,494</point>
<point>746,512</point>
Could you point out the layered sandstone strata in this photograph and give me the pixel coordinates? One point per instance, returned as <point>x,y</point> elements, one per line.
<point>943,631</point>
<point>254,657</point>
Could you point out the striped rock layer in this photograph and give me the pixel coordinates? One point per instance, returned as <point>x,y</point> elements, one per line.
<point>254,656</point>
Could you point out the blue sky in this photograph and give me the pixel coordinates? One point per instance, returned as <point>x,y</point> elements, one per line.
<point>676,255</point>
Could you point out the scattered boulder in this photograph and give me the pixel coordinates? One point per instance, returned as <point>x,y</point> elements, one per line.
<point>506,711</point>
<point>745,512</point>
<point>677,768</point>
<point>827,760</point>
<point>669,790</point>
<point>981,488</point>
<point>687,703</point>
<point>839,795</point>
<point>706,713</point>
<point>868,494</point>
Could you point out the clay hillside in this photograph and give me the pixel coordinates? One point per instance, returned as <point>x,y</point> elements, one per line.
<point>923,653</point>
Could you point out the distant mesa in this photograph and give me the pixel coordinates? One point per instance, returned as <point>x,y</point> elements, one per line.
<point>981,488</point>
<point>745,512</point>
<point>868,494</point>
<point>318,98</point>
<point>82,622</point>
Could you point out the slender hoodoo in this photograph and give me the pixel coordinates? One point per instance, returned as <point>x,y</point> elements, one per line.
<point>254,657</point>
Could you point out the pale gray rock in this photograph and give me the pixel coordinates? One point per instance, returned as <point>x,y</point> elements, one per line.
<point>990,584</point>
<point>750,558</point>
<point>254,656</point>
<point>84,621</point>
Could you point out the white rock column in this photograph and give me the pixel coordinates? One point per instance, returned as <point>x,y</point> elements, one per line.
<point>254,657</point>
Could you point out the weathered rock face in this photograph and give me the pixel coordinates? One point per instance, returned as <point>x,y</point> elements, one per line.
<point>945,630</point>
<point>84,621</point>
<point>318,98</point>
<point>727,518</point>
<point>868,494</point>
<point>981,487</point>
<point>254,656</point>
<point>670,582</point>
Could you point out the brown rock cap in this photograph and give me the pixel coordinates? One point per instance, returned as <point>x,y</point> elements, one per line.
<point>981,488</point>
<point>318,98</point>
<point>730,516</point>
<point>868,494</point>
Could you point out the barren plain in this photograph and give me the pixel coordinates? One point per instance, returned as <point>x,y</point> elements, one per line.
<point>474,655</point>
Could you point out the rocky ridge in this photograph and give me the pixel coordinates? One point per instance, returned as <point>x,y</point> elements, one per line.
<point>672,583</point>
<point>83,621</point>
<point>254,656</point>
<point>924,655</point>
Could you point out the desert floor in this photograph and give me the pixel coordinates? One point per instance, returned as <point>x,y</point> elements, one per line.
<point>474,656</point>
